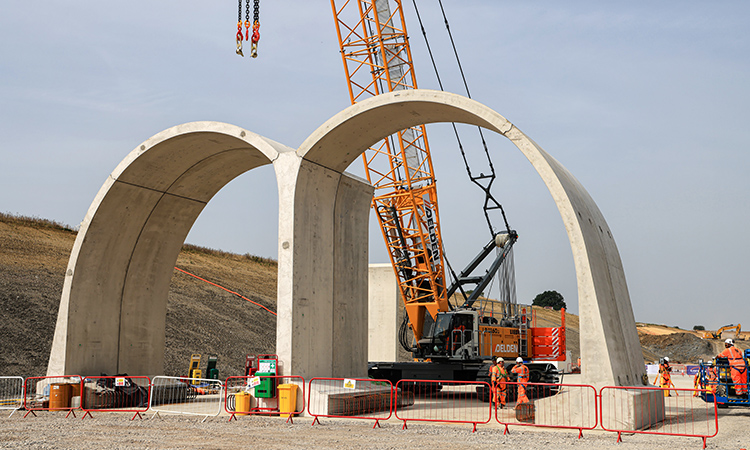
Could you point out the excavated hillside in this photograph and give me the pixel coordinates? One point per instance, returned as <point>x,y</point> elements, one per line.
<point>201,318</point>
<point>658,341</point>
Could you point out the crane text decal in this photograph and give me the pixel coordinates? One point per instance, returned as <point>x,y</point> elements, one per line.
<point>431,229</point>
<point>506,348</point>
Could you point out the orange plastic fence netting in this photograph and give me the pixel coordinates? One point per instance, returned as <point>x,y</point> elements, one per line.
<point>222,287</point>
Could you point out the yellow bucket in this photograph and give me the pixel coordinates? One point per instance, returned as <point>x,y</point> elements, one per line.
<point>287,399</point>
<point>241,402</point>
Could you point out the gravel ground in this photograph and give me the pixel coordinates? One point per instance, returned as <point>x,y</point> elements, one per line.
<point>111,431</point>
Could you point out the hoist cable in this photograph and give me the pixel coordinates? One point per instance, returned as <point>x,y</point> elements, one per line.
<point>490,203</point>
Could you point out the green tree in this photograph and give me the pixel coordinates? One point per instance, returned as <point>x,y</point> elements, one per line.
<point>699,328</point>
<point>550,298</point>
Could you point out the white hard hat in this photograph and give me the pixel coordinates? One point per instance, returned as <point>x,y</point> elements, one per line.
<point>499,359</point>
<point>666,358</point>
<point>729,341</point>
<point>519,360</point>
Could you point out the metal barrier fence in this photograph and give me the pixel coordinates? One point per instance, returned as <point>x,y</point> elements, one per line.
<point>189,396</point>
<point>115,394</point>
<point>58,393</point>
<point>353,398</point>
<point>648,410</point>
<point>11,393</point>
<point>265,394</point>
<point>571,406</point>
<point>442,401</point>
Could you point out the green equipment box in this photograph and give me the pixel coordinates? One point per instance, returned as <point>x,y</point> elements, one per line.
<point>267,386</point>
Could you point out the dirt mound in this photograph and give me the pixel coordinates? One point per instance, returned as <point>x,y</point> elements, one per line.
<point>679,347</point>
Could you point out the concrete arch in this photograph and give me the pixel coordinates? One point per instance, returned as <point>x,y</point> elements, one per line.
<point>113,306</point>
<point>609,340</point>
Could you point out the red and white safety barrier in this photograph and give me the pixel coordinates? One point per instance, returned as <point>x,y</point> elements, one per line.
<point>115,394</point>
<point>188,396</point>
<point>352,398</point>
<point>571,406</point>
<point>55,393</point>
<point>441,401</point>
<point>11,393</point>
<point>652,410</point>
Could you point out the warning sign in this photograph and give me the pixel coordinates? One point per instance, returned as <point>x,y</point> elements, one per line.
<point>253,382</point>
<point>120,382</point>
<point>350,384</point>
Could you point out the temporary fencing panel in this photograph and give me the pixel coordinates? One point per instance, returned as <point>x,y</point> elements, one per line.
<point>115,394</point>
<point>441,401</point>
<point>648,410</point>
<point>181,395</point>
<point>353,398</point>
<point>571,406</point>
<point>58,393</point>
<point>265,394</point>
<point>11,393</point>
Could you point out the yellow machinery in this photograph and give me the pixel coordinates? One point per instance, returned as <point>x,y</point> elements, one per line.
<point>717,334</point>
<point>195,366</point>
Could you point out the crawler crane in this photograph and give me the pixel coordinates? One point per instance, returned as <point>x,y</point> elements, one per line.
<point>447,342</point>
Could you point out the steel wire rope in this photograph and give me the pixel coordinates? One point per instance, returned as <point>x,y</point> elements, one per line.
<point>489,198</point>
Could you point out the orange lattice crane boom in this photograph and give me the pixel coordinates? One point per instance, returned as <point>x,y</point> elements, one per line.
<point>377,59</point>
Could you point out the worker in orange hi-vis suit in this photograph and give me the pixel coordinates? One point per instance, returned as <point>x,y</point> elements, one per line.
<point>712,378</point>
<point>737,364</point>
<point>498,387</point>
<point>523,377</point>
<point>665,376</point>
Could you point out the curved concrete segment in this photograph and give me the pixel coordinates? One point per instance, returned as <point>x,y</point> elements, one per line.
<point>609,340</point>
<point>113,305</point>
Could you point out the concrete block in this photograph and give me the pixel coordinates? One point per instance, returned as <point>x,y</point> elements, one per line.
<point>631,409</point>
<point>573,407</point>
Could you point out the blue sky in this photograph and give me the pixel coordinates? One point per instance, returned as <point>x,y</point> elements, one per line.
<point>646,103</point>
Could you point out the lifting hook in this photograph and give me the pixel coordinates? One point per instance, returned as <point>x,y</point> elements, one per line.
<point>239,39</point>
<point>256,38</point>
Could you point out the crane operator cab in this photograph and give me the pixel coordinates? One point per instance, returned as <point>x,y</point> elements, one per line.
<point>452,335</point>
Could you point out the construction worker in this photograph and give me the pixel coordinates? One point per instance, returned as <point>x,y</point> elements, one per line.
<point>712,378</point>
<point>523,377</point>
<point>737,366</point>
<point>697,385</point>
<point>499,376</point>
<point>665,376</point>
